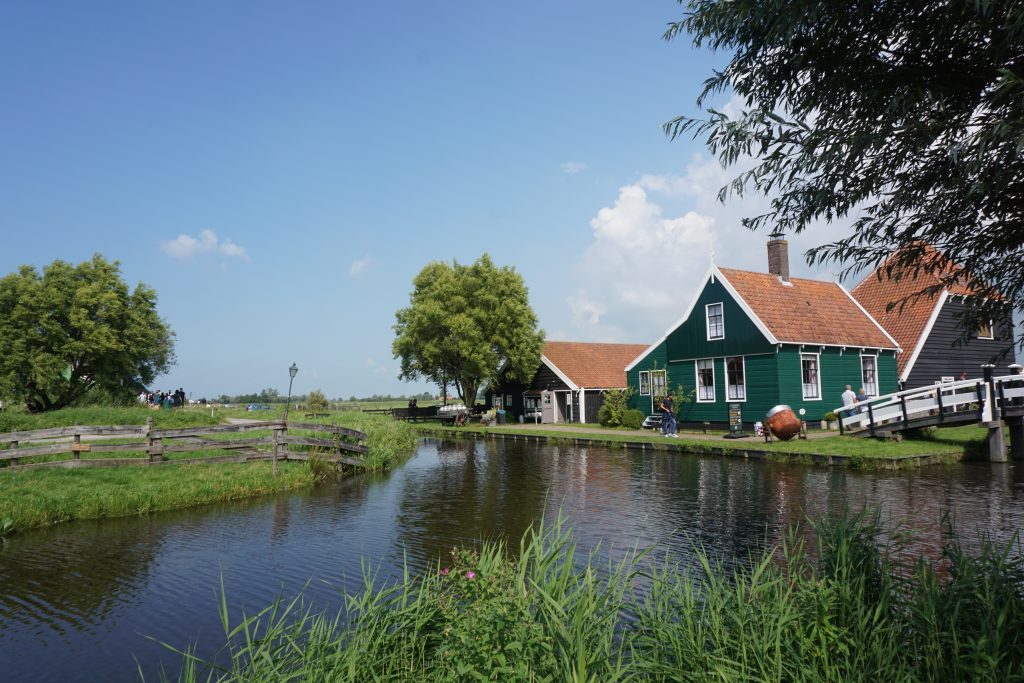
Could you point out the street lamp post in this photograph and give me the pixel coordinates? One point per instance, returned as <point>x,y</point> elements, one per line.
<point>292,371</point>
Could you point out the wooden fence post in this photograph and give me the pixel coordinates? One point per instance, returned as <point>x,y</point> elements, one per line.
<point>150,441</point>
<point>276,441</point>
<point>76,445</point>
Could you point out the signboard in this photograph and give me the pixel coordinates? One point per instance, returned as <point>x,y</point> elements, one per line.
<point>735,422</point>
<point>735,419</point>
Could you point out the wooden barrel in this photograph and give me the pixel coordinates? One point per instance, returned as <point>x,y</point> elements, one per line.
<point>783,422</point>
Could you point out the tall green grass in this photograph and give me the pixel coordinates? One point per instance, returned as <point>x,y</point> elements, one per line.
<point>840,607</point>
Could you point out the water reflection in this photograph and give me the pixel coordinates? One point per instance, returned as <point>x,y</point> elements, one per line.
<point>79,599</point>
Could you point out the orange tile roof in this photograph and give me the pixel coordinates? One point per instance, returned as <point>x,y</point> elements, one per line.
<point>906,322</point>
<point>589,365</point>
<point>806,311</point>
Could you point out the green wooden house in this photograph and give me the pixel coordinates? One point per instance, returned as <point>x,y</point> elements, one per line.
<point>757,340</point>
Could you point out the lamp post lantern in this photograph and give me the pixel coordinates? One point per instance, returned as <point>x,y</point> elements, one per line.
<point>292,371</point>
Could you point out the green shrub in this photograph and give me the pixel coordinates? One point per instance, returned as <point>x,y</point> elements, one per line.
<point>830,417</point>
<point>614,408</point>
<point>316,402</point>
<point>633,419</point>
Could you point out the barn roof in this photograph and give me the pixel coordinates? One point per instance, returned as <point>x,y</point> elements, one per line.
<point>591,365</point>
<point>908,321</point>
<point>807,311</point>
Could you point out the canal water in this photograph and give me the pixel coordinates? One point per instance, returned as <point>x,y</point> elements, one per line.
<point>86,601</point>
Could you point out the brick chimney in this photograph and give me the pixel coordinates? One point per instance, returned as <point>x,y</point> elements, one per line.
<point>778,256</point>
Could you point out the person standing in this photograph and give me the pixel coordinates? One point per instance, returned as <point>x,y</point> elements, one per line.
<point>849,400</point>
<point>862,398</point>
<point>668,416</point>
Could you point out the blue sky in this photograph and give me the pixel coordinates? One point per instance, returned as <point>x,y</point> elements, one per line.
<point>279,172</point>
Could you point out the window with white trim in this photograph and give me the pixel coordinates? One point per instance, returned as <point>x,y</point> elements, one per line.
<point>705,380</point>
<point>735,379</point>
<point>869,374</point>
<point>497,401</point>
<point>810,377</point>
<point>658,382</point>
<point>716,321</point>
<point>645,383</point>
<point>986,331</point>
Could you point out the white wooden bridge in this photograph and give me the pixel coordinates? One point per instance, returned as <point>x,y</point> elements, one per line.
<point>988,401</point>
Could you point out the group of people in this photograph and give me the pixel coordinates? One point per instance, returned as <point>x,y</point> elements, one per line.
<point>852,400</point>
<point>163,399</point>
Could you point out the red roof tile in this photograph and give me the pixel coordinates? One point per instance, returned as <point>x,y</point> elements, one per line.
<point>589,365</point>
<point>806,311</point>
<point>907,320</point>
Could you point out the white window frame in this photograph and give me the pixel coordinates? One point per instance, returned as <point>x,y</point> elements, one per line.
<point>728,386</point>
<point>496,401</point>
<point>645,374</point>
<point>863,380</point>
<point>696,371</point>
<point>707,321</point>
<point>664,382</point>
<point>991,331</point>
<point>817,368</point>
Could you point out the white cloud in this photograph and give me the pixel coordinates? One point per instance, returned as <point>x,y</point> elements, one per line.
<point>630,275</point>
<point>641,269</point>
<point>359,267</point>
<point>574,167</point>
<point>186,246</point>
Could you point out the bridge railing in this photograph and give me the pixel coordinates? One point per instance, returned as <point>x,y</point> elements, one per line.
<point>899,409</point>
<point>1009,391</point>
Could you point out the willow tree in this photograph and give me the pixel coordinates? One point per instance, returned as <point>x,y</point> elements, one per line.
<point>465,325</point>
<point>72,330</point>
<point>905,115</point>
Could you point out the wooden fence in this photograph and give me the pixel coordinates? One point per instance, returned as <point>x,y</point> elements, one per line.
<point>334,444</point>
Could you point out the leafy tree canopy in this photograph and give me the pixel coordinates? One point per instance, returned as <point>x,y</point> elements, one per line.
<point>316,401</point>
<point>76,329</point>
<point>464,324</point>
<point>905,115</point>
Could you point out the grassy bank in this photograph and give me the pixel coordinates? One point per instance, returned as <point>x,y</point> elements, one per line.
<point>41,497</point>
<point>837,608</point>
<point>34,498</point>
<point>957,441</point>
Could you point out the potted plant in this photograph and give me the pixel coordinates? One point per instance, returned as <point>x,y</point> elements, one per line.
<point>830,421</point>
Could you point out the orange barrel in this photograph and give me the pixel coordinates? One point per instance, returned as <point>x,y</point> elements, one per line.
<point>783,422</point>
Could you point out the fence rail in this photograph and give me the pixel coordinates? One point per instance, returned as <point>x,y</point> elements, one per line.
<point>333,443</point>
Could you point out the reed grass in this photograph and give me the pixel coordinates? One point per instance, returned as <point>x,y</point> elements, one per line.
<point>842,606</point>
